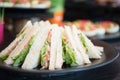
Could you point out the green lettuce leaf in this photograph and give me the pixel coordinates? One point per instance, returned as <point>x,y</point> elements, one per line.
<point>84,42</point>
<point>42,52</point>
<point>3,57</point>
<point>21,57</point>
<point>68,54</point>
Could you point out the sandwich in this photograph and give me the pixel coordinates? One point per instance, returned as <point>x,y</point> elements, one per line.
<point>71,42</point>
<point>22,3</point>
<point>22,46</point>
<point>92,51</point>
<point>6,3</point>
<point>100,30</point>
<point>34,53</point>
<point>80,46</point>
<point>109,26</point>
<point>5,53</point>
<point>40,3</point>
<point>56,59</point>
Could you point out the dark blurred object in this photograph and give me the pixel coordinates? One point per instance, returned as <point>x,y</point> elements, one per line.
<point>113,3</point>
<point>19,24</point>
<point>89,10</point>
<point>27,13</point>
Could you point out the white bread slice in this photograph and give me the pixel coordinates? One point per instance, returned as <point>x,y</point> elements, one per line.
<point>78,56</point>
<point>80,46</point>
<point>101,49</point>
<point>59,58</point>
<point>14,43</point>
<point>53,49</point>
<point>33,57</point>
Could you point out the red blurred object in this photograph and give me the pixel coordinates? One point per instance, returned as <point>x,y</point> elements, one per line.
<point>1,32</point>
<point>23,1</point>
<point>83,22</point>
<point>106,24</point>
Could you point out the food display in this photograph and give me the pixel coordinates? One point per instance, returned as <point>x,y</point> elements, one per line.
<point>7,3</point>
<point>98,28</point>
<point>25,3</point>
<point>22,3</point>
<point>48,46</point>
<point>109,26</point>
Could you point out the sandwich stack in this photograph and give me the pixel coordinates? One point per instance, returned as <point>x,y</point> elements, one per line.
<point>48,46</point>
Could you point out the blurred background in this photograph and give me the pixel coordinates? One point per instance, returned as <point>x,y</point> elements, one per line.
<point>98,19</point>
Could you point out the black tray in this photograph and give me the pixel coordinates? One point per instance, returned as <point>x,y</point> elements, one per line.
<point>104,69</point>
